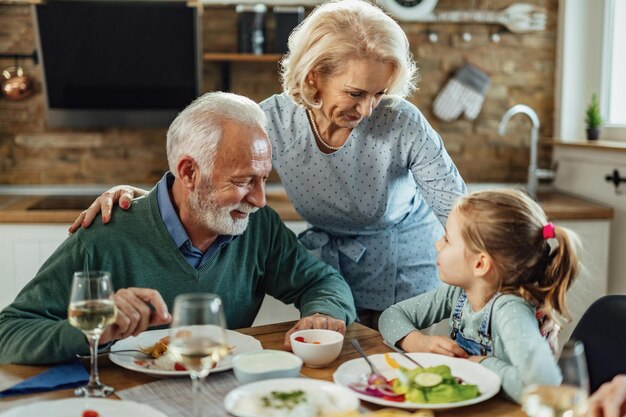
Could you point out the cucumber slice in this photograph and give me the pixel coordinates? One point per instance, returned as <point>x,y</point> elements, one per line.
<point>428,379</point>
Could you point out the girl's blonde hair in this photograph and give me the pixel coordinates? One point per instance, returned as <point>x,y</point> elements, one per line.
<point>337,31</point>
<point>508,225</point>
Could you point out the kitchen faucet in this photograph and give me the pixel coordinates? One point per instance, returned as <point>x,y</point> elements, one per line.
<point>534,173</point>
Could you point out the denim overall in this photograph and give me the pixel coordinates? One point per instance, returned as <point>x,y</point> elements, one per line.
<point>483,346</point>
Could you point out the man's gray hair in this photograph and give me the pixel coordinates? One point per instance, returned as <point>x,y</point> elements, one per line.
<point>198,129</point>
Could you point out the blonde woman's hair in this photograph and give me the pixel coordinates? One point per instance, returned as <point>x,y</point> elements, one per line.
<point>508,225</point>
<point>337,31</point>
<point>197,130</point>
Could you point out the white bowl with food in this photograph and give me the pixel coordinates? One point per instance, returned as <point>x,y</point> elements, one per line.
<point>266,364</point>
<point>291,397</point>
<point>317,347</point>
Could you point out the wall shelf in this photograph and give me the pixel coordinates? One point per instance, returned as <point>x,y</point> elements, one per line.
<point>225,59</point>
<point>236,57</point>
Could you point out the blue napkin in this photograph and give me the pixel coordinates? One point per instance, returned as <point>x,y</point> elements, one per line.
<point>64,376</point>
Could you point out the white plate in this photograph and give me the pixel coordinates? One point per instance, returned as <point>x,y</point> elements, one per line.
<point>240,342</point>
<point>472,373</point>
<point>344,399</point>
<point>76,406</point>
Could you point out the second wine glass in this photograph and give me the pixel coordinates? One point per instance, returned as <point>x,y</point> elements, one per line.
<point>569,399</point>
<point>198,336</point>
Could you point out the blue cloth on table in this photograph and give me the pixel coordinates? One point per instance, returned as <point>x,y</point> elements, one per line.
<point>64,376</point>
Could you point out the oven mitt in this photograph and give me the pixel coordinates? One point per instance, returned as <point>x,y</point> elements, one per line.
<point>463,93</point>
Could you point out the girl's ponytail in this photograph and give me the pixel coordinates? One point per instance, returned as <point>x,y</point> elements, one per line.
<point>560,272</point>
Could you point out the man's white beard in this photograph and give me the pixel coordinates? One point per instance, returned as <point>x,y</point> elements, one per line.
<point>216,218</point>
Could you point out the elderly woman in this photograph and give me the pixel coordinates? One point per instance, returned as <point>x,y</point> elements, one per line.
<point>359,162</point>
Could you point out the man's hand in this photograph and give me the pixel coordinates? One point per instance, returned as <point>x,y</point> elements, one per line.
<point>137,309</point>
<point>316,321</point>
<point>419,342</point>
<point>121,193</point>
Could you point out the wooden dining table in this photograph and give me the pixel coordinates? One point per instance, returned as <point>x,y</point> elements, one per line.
<point>271,336</point>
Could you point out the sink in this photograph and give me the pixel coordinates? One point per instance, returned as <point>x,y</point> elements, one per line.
<point>63,202</point>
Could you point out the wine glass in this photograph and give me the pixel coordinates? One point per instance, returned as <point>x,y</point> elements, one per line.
<point>569,399</point>
<point>197,337</point>
<point>92,310</point>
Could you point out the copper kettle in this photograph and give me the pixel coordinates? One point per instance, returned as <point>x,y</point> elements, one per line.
<point>15,84</point>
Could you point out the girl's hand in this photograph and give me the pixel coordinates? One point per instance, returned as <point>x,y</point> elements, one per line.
<point>121,193</point>
<point>549,330</point>
<point>477,359</point>
<point>609,400</point>
<point>419,342</point>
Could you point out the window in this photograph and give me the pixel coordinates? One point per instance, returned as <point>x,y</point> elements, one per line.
<point>613,92</point>
<point>615,64</point>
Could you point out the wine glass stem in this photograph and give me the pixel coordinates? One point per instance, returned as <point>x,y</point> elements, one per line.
<point>196,379</point>
<point>94,379</point>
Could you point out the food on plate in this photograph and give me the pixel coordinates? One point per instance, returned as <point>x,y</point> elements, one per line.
<point>91,413</point>
<point>161,360</point>
<point>432,385</point>
<point>385,412</point>
<point>303,340</point>
<point>296,403</point>
<point>160,348</point>
<point>419,385</point>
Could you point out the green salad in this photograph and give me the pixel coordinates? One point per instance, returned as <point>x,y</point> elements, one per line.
<point>432,385</point>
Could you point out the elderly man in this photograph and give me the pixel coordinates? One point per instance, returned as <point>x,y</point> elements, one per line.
<point>203,228</point>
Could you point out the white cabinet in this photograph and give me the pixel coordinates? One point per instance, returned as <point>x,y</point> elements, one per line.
<point>592,281</point>
<point>23,249</point>
<point>582,172</point>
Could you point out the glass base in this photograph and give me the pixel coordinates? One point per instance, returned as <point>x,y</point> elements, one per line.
<point>97,391</point>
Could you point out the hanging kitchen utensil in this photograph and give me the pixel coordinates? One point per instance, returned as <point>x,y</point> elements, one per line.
<point>518,17</point>
<point>15,84</point>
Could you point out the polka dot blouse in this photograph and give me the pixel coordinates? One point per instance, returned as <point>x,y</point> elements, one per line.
<point>376,205</point>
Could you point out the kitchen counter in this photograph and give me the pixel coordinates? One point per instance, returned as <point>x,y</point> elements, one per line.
<point>52,208</point>
<point>17,208</point>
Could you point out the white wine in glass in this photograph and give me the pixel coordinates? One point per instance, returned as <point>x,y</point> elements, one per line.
<point>568,399</point>
<point>92,310</point>
<point>198,337</point>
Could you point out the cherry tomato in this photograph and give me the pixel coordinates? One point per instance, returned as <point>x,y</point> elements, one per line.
<point>299,339</point>
<point>398,399</point>
<point>90,413</point>
<point>178,367</point>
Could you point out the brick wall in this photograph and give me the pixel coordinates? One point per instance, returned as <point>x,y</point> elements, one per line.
<point>522,68</point>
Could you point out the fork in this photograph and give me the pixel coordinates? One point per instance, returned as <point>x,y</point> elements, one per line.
<point>108,351</point>
<point>403,353</point>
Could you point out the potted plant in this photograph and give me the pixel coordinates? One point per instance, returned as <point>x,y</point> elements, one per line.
<point>593,118</point>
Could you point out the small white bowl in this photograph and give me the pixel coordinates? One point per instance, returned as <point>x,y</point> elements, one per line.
<point>266,364</point>
<point>320,346</point>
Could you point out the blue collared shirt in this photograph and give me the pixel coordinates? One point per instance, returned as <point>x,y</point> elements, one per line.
<point>193,255</point>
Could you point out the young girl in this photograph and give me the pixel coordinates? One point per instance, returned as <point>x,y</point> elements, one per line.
<point>502,262</point>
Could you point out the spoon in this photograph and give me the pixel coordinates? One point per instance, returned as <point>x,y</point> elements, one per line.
<point>376,375</point>
<point>403,353</point>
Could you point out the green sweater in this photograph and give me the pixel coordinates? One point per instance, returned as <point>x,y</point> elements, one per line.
<point>139,252</point>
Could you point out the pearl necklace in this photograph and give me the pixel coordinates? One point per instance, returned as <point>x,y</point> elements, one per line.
<point>317,132</point>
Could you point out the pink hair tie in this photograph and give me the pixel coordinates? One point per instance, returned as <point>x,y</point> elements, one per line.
<point>548,231</point>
